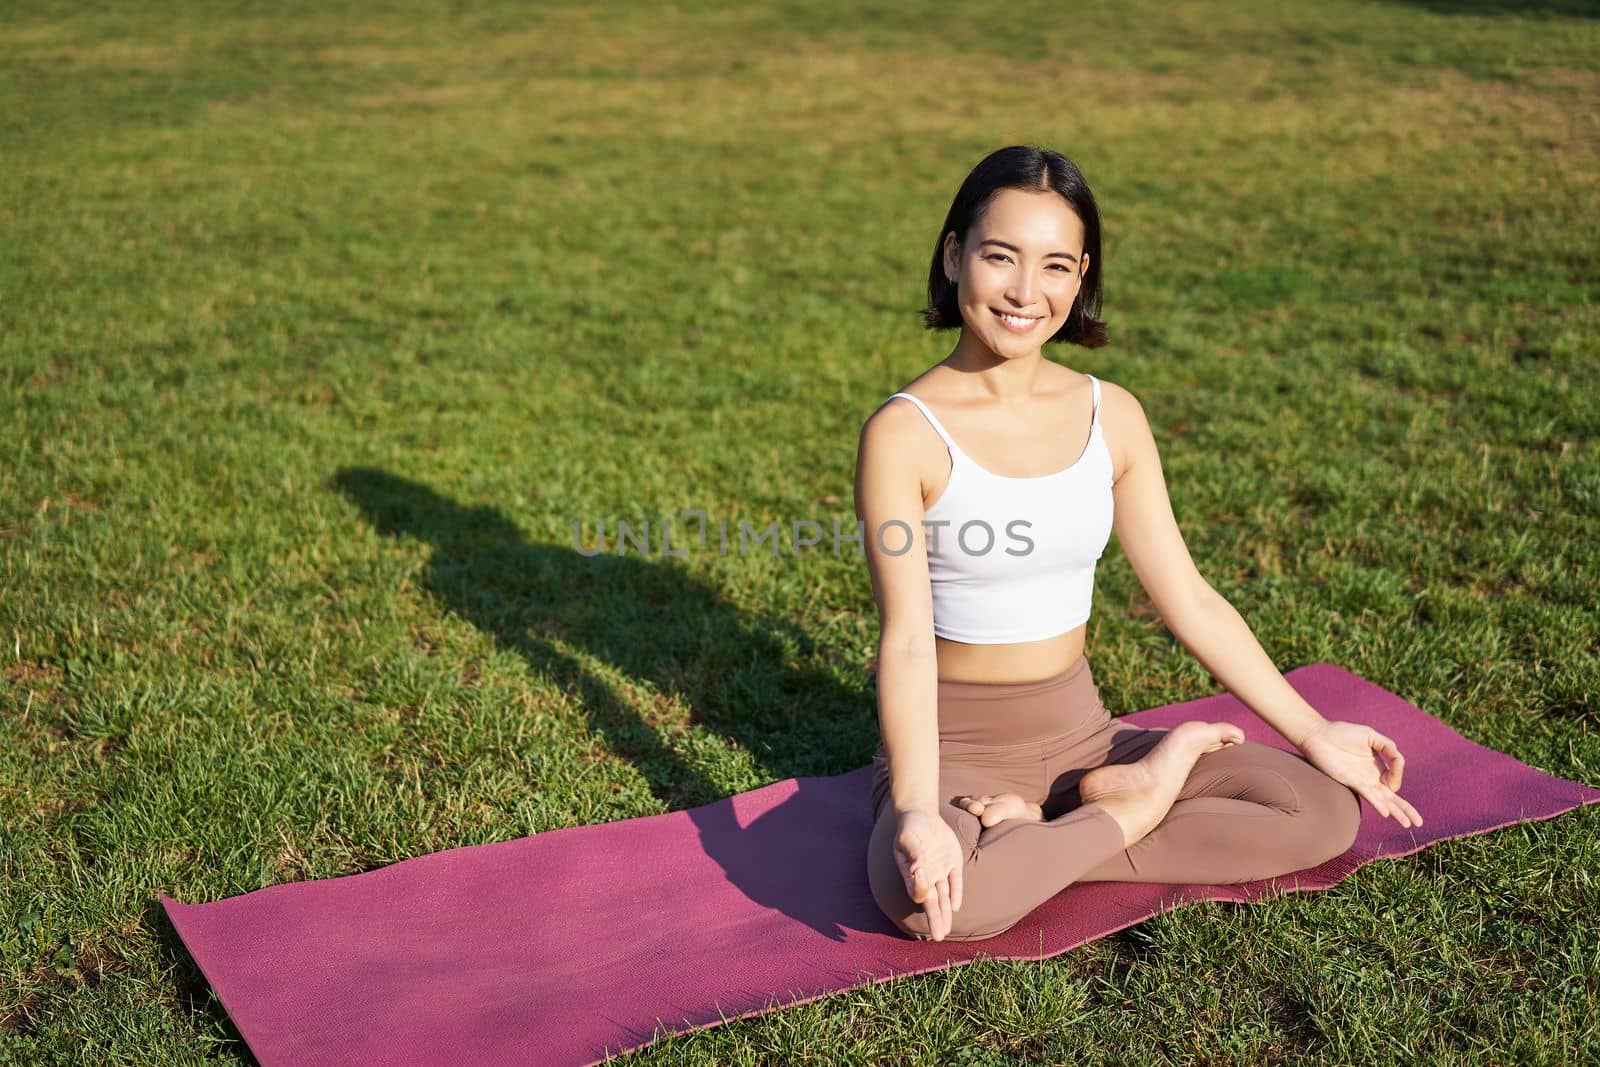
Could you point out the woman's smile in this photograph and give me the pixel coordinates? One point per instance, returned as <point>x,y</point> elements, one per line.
<point>1017,323</point>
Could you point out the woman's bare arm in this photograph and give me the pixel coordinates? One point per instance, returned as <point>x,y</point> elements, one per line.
<point>889,504</point>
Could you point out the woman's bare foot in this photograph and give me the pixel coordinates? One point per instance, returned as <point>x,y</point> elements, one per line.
<point>1139,795</point>
<point>992,808</point>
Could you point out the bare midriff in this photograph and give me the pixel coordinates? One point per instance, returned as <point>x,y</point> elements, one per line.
<point>1029,661</point>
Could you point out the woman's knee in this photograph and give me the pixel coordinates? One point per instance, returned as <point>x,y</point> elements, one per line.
<point>909,917</point>
<point>1333,817</point>
<point>889,892</point>
<point>1346,817</point>
<point>973,921</point>
<point>984,911</point>
<point>888,884</point>
<point>970,922</point>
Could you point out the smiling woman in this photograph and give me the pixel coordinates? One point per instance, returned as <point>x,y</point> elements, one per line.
<point>995,745</point>
<point>1069,270</point>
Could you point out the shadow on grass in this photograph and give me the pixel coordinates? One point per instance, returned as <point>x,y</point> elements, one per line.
<point>648,618</point>
<point>651,620</point>
<point>189,982</point>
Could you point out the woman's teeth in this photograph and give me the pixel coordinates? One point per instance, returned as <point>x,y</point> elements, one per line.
<point>1015,323</point>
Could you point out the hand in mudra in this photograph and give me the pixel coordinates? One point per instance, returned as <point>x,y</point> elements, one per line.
<point>1360,757</point>
<point>928,853</point>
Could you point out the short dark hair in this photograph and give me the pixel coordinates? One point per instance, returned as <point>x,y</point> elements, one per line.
<point>1033,169</point>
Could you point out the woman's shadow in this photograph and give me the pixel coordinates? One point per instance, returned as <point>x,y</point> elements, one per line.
<point>652,620</point>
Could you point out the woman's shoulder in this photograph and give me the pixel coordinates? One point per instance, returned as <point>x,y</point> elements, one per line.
<point>1118,401</point>
<point>925,386</point>
<point>1113,392</point>
<point>1123,425</point>
<point>895,411</point>
<point>893,420</point>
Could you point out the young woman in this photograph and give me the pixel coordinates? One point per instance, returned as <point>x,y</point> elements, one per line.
<point>989,489</point>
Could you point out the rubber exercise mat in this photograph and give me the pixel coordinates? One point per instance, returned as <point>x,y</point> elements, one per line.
<point>567,946</point>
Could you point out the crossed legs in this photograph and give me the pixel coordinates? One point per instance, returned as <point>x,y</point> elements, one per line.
<point>1245,812</point>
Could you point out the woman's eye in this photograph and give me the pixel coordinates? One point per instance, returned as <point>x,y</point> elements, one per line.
<point>1059,266</point>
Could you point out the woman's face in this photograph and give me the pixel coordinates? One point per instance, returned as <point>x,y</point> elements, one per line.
<point>1023,258</point>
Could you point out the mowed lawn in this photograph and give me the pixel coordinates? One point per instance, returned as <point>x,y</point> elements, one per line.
<point>321,325</point>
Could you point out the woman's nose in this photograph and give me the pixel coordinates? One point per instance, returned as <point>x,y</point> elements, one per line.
<point>1022,291</point>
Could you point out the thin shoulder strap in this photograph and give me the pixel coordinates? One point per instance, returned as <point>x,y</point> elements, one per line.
<point>936,425</point>
<point>1094,413</point>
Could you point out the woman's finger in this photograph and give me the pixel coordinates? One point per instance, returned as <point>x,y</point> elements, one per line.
<point>1416,816</point>
<point>955,888</point>
<point>1395,808</point>
<point>1375,799</point>
<point>942,895</point>
<point>1391,754</point>
<point>1391,810</point>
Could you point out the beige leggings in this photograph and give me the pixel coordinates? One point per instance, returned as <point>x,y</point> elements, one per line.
<point>1248,811</point>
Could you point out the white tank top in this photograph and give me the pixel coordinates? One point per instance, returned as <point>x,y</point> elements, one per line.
<point>1013,559</point>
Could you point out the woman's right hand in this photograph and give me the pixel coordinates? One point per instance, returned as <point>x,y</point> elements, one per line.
<point>928,853</point>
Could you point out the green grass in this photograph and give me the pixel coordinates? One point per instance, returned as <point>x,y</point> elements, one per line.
<point>320,326</point>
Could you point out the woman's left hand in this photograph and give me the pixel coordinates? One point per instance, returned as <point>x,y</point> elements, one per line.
<point>1355,755</point>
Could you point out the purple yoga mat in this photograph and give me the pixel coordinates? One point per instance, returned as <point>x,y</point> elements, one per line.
<point>577,943</point>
